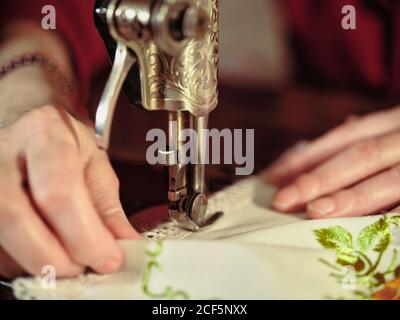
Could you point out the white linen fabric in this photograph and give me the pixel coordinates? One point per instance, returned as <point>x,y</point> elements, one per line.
<point>251,252</point>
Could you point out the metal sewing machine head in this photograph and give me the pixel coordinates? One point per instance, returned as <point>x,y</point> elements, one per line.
<point>165,57</point>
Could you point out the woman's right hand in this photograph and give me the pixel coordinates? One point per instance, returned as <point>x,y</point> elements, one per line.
<point>59,198</point>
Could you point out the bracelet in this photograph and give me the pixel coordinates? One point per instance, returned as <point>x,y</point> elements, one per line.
<point>37,59</point>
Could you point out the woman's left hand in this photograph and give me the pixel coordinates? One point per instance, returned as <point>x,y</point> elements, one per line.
<point>353,170</point>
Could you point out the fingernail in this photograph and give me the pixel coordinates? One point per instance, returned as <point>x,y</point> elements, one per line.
<point>107,265</point>
<point>286,198</point>
<point>323,207</point>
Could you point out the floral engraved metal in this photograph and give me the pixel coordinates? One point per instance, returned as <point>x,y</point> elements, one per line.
<point>187,81</point>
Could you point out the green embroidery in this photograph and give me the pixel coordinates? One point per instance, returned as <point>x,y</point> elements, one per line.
<point>152,263</point>
<point>336,238</point>
<point>369,273</point>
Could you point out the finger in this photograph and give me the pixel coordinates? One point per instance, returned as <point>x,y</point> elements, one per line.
<point>9,269</point>
<point>27,240</point>
<point>354,164</point>
<point>288,167</point>
<point>103,185</point>
<point>56,179</point>
<point>371,196</point>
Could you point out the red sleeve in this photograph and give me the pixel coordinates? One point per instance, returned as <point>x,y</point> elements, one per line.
<point>367,58</point>
<point>75,23</point>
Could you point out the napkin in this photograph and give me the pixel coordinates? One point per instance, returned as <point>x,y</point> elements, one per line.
<point>251,252</point>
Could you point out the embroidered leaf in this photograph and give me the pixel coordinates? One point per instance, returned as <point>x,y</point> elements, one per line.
<point>393,263</point>
<point>335,238</point>
<point>377,234</point>
<point>395,220</point>
<point>384,241</point>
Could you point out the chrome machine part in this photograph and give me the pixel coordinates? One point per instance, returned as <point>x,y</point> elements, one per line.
<point>166,58</point>
<point>123,62</point>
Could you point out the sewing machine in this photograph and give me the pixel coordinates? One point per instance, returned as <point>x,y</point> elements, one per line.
<point>165,57</point>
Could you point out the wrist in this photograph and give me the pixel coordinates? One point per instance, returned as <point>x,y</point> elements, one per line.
<point>31,76</point>
<point>28,88</point>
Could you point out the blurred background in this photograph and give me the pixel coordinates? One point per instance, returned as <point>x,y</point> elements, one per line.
<point>263,86</point>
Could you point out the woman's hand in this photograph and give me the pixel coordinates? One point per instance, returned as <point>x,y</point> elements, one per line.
<point>59,197</point>
<point>353,170</point>
<point>59,201</point>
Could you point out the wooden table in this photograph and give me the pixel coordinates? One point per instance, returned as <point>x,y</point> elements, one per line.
<point>279,121</point>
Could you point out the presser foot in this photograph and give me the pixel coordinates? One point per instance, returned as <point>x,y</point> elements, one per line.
<point>191,212</point>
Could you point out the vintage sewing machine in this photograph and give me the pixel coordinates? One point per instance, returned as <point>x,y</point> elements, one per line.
<point>165,57</point>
